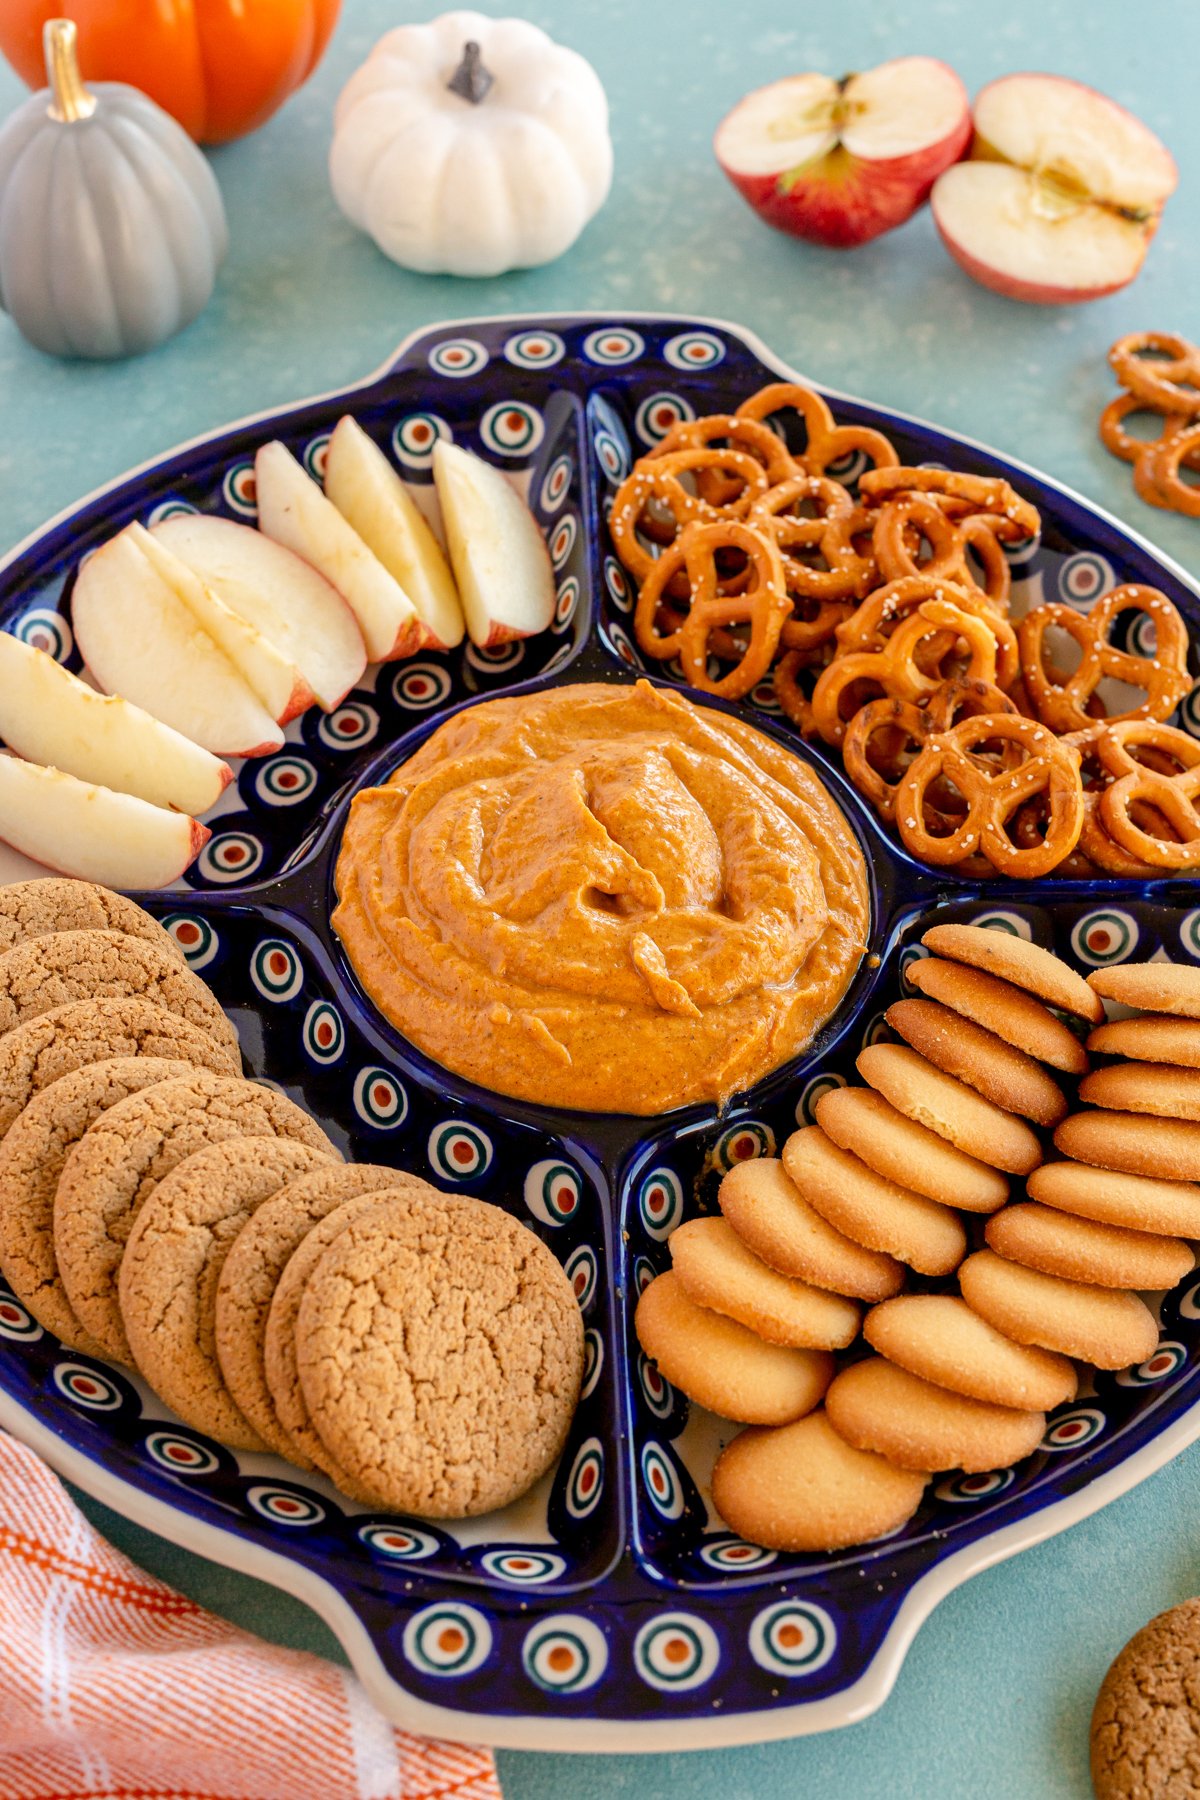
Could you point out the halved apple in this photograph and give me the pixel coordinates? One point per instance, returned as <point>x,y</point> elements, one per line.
<point>139,639</point>
<point>91,832</point>
<point>293,510</point>
<point>1061,196</point>
<point>277,681</point>
<point>369,493</point>
<point>500,560</point>
<point>272,588</point>
<point>839,162</point>
<point>49,716</point>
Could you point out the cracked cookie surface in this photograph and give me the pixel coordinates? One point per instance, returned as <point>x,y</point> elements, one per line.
<point>32,1158</point>
<point>440,1350</point>
<point>43,1050</point>
<point>33,909</point>
<point>1145,1740</point>
<point>172,1265</point>
<point>252,1272</point>
<point>118,1163</point>
<point>46,972</point>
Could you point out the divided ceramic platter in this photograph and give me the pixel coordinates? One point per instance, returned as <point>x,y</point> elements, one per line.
<point>610,1609</point>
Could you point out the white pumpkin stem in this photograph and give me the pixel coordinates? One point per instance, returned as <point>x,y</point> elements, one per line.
<point>70,100</point>
<point>471,80</point>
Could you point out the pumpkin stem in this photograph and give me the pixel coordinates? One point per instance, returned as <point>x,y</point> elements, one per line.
<point>70,100</point>
<point>471,80</point>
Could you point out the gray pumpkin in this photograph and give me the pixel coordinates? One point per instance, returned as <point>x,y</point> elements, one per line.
<point>112,227</point>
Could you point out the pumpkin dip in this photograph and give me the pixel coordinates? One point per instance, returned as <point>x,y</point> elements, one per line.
<point>604,898</point>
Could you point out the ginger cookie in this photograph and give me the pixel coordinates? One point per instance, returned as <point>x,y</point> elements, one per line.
<point>998,1006</point>
<point>173,1262</point>
<point>119,1161</point>
<point>1083,1250</point>
<point>280,1361</point>
<point>948,1107</point>
<point>34,909</point>
<point>1158,987</point>
<point>1139,1143</point>
<point>771,1216</point>
<point>1001,1073</point>
<point>876,1405</point>
<point>441,1354</point>
<point>86,1031</point>
<point>253,1266</point>
<point>716,1270</point>
<point>1016,960</point>
<point>871,1210</point>
<point>864,1123</point>
<point>802,1487</point>
<point>94,965</point>
<point>722,1365</point>
<point>1144,1087</point>
<point>1145,1734</point>
<point>1153,1038</point>
<point>1138,1202</point>
<point>1099,1325</point>
<point>32,1158</point>
<point>938,1337</point>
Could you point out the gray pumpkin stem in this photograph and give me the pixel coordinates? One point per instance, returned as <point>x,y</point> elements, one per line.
<point>69,99</point>
<point>471,80</point>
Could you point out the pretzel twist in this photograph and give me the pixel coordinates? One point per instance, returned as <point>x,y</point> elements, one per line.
<point>827,442</point>
<point>1049,768</point>
<point>894,669</point>
<point>1062,703</point>
<point>957,495</point>
<point>1139,795</point>
<point>763,607</point>
<point>905,523</point>
<point>658,480</point>
<point>1169,380</point>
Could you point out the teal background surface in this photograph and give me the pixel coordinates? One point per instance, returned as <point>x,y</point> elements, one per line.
<point>995,1696</point>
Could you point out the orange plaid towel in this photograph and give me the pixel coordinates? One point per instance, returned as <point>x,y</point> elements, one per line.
<point>114,1687</point>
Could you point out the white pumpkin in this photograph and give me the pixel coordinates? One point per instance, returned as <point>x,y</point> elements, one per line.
<point>471,145</point>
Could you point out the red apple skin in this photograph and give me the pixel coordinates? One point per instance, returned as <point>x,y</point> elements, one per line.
<point>1035,293</point>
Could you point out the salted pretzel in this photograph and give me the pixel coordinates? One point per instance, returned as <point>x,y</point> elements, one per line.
<point>726,431</point>
<point>1168,378</point>
<point>661,481</point>
<point>957,495</point>
<point>895,670</point>
<point>829,532</point>
<point>871,625</point>
<point>1028,830</point>
<point>1119,442</point>
<point>1157,473</point>
<point>1139,796</point>
<point>881,734</point>
<point>794,703</point>
<point>1061,701</point>
<point>762,608</point>
<point>827,442</point>
<point>905,523</point>
<point>1049,767</point>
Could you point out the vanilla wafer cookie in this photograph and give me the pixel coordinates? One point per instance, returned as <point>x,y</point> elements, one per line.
<point>1041,1237</point>
<point>950,1108</point>
<point>875,1212</point>
<point>939,1337</point>
<point>877,1405</point>
<point>717,1270</point>
<point>869,1127</point>
<point>1025,965</point>
<point>1015,1016</point>
<point>1099,1325</point>
<point>1139,1202</point>
<point>771,1216</point>
<point>1001,1073</point>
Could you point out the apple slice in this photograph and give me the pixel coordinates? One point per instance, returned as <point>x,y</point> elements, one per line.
<point>50,716</point>
<point>293,606</point>
<point>499,556</point>
<point>369,493</point>
<point>277,682</point>
<point>92,833</point>
<point>293,510</point>
<point>139,639</point>
<point>1063,192</point>
<point>839,162</point>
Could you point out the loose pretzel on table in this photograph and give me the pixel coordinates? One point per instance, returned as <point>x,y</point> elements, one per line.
<point>895,670</point>
<point>1157,474</point>
<point>1171,381</point>
<point>763,606</point>
<point>827,442</point>
<point>1049,768</point>
<point>1062,704</point>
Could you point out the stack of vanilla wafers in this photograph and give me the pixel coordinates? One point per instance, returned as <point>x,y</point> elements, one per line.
<point>159,1209</point>
<point>896,1179</point>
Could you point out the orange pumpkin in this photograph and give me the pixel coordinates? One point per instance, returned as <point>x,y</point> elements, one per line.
<point>221,67</point>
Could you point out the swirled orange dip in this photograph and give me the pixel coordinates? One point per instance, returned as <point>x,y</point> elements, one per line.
<point>604,898</point>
